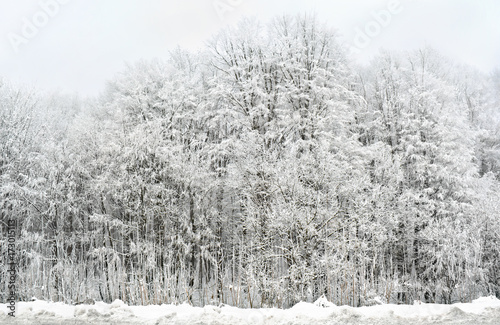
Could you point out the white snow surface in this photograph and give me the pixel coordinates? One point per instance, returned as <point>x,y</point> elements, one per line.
<point>481,311</point>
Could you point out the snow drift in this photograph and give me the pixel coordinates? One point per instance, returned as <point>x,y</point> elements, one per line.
<point>481,311</point>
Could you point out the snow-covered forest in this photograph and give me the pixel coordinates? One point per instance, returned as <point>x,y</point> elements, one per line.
<point>263,170</point>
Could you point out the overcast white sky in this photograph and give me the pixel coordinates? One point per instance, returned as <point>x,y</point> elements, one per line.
<point>82,43</point>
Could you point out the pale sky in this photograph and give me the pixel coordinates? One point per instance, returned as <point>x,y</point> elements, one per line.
<point>76,45</point>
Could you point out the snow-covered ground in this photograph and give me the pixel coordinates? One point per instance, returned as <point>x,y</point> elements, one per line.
<point>481,311</point>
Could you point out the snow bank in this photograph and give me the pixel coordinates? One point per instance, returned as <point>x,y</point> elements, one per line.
<point>480,311</point>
